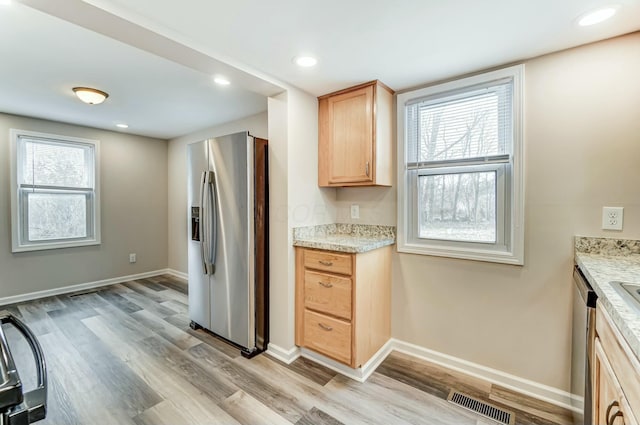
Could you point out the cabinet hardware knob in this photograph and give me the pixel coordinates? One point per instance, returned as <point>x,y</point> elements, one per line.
<point>325,327</point>
<point>326,263</point>
<point>616,415</point>
<point>326,284</point>
<point>613,404</point>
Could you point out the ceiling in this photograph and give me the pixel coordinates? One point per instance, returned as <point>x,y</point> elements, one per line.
<point>44,57</point>
<point>159,71</point>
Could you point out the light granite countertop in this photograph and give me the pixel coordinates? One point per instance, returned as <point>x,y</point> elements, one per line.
<point>352,238</point>
<point>603,261</point>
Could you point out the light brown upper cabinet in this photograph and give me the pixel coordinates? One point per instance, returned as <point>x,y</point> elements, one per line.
<point>355,140</point>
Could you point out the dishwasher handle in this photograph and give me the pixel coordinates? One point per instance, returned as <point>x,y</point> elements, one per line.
<point>34,404</point>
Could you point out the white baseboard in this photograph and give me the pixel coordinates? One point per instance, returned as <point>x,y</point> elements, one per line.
<point>176,273</point>
<point>285,356</point>
<point>79,287</point>
<point>521,385</point>
<point>360,374</point>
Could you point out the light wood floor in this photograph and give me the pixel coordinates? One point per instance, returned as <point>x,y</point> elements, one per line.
<point>125,355</point>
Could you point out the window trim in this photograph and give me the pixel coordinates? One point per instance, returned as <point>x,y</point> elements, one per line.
<point>18,244</point>
<point>514,252</point>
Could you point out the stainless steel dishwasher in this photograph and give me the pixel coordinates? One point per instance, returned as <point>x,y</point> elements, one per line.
<point>584,319</point>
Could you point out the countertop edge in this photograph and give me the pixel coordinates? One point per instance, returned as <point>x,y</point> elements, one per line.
<point>352,249</point>
<point>613,302</point>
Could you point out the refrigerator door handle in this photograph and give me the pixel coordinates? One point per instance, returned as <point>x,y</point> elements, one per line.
<point>203,223</point>
<point>213,214</point>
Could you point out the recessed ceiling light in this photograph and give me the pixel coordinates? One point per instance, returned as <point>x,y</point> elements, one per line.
<point>305,61</point>
<point>597,16</point>
<point>221,81</point>
<point>90,96</point>
<point>122,126</point>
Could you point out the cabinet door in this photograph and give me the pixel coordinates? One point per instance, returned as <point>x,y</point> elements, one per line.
<point>611,406</point>
<point>351,136</point>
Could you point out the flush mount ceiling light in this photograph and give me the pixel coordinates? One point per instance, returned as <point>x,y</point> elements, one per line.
<point>221,81</point>
<point>305,61</point>
<point>89,95</point>
<point>597,16</point>
<point>122,125</point>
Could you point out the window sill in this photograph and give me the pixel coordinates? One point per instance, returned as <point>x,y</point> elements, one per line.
<point>54,245</point>
<point>491,256</point>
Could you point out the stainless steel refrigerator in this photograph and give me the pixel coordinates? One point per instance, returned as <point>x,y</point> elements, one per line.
<point>228,228</point>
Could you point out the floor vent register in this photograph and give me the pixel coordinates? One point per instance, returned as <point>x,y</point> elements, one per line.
<point>480,407</point>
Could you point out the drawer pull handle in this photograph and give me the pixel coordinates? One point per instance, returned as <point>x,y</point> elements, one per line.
<point>326,263</point>
<point>326,284</point>
<point>325,327</point>
<point>613,404</point>
<point>616,415</point>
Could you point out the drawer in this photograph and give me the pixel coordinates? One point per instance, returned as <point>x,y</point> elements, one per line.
<point>328,294</point>
<point>328,336</point>
<point>328,261</point>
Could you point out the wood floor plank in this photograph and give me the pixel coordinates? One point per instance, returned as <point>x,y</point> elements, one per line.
<point>309,369</point>
<point>208,381</point>
<point>119,301</point>
<point>48,303</point>
<point>431,378</point>
<point>389,401</point>
<point>180,306</point>
<point>527,405</point>
<point>249,411</point>
<point>161,414</point>
<point>92,401</point>
<point>151,306</point>
<point>181,321</point>
<point>177,337</point>
<point>195,406</point>
<point>286,404</point>
<point>148,283</point>
<point>146,291</point>
<point>308,394</point>
<point>317,417</point>
<point>175,286</point>
<point>126,325</point>
<point>82,305</point>
<point>64,413</point>
<point>39,321</point>
<point>114,374</point>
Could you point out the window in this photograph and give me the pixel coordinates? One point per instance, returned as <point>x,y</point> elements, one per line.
<point>54,191</point>
<point>460,173</point>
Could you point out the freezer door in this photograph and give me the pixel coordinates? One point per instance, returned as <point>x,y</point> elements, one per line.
<point>199,288</point>
<point>232,282</point>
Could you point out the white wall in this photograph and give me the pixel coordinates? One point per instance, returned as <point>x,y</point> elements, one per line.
<point>133,213</point>
<point>177,189</point>
<point>582,152</point>
<point>295,199</point>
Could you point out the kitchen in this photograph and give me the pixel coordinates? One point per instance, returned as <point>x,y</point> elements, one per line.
<point>512,323</point>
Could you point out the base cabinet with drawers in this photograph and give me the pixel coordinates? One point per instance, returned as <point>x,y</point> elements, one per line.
<point>343,303</point>
<point>616,376</point>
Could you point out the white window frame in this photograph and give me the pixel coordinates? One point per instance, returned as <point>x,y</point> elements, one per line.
<point>509,250</point>
<point>19,211</point>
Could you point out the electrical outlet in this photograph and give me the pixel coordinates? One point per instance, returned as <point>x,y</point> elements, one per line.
<point>612,218</point>
<point>355,211</point>
<point>132,258</point>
